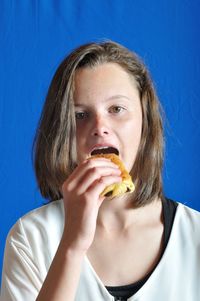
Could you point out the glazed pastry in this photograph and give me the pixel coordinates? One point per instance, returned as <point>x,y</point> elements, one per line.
<point>126,186</point>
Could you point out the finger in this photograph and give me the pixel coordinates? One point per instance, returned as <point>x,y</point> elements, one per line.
<point>99,185</point>
<point>94,175</point>
<point>81,170</point>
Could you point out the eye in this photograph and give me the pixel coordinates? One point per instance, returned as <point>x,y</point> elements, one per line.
<point>81,115</point>
<point>116,109</point>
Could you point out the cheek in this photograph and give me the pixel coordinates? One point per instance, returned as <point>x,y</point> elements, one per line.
<point>81,130</point>
<point>79,142</point>
<point>78,135</point>
<point>133,129</point>
<point>81,137</point>
<point>131,136</point>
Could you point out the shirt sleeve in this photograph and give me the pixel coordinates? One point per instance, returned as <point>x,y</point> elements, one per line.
<point>21,279</point>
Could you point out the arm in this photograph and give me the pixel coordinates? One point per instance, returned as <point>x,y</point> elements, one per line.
<point>21,278</point>
<point>63,276</point>
<point>81,194</point>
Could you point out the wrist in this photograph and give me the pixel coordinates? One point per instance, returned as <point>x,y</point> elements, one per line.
<point>71,248</point>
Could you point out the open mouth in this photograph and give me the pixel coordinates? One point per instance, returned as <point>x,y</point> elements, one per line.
<point>105,150</point>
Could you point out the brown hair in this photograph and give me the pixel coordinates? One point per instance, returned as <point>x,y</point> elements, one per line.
<point>55,140</point>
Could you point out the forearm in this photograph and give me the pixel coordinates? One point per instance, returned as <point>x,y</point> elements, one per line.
<point>62,279</point>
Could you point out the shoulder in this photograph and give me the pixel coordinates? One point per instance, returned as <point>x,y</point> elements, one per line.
<point>190,215</point>
<point>39,227</point>
<point>51,213</point>
<point>188,221</point>
<point>30,247</point>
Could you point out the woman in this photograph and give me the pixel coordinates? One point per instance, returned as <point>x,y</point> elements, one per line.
<point>83,246</point>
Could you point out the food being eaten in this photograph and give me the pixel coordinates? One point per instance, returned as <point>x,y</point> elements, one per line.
<point>117,189</point>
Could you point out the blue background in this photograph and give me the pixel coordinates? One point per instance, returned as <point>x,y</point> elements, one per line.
<point>36,35</point>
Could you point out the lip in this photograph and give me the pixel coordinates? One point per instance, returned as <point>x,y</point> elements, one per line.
<point>100,145</point>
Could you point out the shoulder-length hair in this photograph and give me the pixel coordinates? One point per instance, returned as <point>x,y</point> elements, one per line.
<point>55,140</point>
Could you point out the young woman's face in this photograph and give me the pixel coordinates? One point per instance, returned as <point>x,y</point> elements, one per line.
<point>108,112</point>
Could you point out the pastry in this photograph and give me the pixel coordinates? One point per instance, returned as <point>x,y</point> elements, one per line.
<point>117,189</point>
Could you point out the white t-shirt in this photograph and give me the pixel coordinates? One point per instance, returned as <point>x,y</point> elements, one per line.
<point>33,241</point>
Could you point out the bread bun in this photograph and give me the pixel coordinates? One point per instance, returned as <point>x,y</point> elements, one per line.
<point>117,189</point>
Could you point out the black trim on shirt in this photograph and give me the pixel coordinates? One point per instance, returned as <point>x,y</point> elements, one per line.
<point>121,293</point>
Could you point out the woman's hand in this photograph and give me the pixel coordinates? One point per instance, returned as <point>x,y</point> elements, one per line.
<point>81,194</point>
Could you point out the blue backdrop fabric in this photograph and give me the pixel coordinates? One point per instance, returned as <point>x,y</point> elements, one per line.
<point>36,35</point>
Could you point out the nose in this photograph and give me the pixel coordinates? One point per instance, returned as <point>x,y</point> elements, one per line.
<point>100,127</point>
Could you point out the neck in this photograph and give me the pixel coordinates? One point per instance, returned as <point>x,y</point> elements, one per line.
<point>119,214</point>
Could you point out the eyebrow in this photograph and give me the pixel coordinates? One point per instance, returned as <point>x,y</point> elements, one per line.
<point>118,96</point>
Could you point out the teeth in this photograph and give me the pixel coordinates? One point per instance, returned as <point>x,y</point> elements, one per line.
<point>99,148</point>
<point>104,147</point>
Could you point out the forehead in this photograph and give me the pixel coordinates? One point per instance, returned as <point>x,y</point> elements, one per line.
<point>104,81</point>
